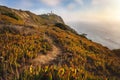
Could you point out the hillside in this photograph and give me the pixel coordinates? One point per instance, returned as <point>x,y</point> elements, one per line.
<point>43,47</point>
<point>117,52</point>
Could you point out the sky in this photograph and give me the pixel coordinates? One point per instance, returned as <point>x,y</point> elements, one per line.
<point>71,10</point>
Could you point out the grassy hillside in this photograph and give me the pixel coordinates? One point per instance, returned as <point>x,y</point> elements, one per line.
<point>43,50</point>
<point>117,52</point>
<point>26,18</point>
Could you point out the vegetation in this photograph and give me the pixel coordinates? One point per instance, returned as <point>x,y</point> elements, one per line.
<point>51,18</point>
<point>79,58</point>
<point>65,27</point>
<point>117,52</point>
<point>11,15</point>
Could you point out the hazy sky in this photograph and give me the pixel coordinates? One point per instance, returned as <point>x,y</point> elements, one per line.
<point>71,10</point>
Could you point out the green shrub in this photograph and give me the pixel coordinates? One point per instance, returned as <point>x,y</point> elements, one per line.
<point>11,15</point>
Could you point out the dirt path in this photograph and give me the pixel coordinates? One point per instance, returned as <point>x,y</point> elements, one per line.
<point>44,59</point>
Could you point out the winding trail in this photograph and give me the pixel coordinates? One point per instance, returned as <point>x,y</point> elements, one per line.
<point>50,56</point>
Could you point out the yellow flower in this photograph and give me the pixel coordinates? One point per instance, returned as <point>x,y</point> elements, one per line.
<point>31,68</point>
<point>61,71</point>
<point>46,68</point>
<point>73,70</point>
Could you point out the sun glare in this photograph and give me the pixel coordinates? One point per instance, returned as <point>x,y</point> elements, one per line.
<point>116,10</point>
<point>112,12</point>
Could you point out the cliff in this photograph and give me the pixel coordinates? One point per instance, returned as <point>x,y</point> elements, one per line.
<point>43,47</point>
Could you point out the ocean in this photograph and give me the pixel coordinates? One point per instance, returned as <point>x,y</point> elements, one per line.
<point>107,34</point>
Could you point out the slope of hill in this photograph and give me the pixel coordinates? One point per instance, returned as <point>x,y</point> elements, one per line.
<point>42,47</point>
<point>117,52</point>
<point>19,17</point>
